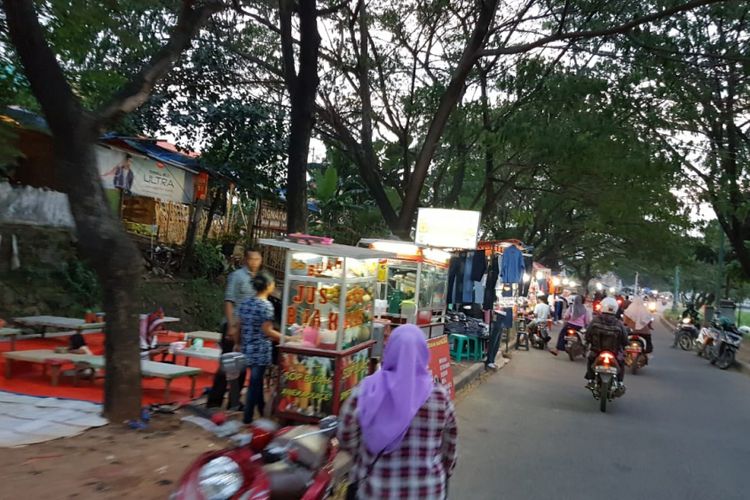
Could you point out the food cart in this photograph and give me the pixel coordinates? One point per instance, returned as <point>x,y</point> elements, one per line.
<point>328,308</point>
<point>412,285</point>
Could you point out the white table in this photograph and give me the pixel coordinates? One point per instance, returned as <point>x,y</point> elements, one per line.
<point>208,353</point>
<point>11,333</point>
<point>41,323</point>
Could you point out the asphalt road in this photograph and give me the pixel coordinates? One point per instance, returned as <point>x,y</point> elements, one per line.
<point>533,432</point>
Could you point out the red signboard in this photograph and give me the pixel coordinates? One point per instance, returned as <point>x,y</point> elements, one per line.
<point>440,362</point>
<point>201,186</point>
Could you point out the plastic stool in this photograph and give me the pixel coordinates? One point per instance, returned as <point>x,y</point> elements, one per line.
<point>476,349</point>
<point>460,347</point>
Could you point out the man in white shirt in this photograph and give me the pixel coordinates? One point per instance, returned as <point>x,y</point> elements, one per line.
<point>541,311</point>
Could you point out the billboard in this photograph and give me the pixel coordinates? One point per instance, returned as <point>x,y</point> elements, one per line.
<point>143,176</point>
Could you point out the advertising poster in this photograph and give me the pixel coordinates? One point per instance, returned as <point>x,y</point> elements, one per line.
<point>440,362</point>
<point>306,385</point>
<point>142,176</point>
<point>353,370</point>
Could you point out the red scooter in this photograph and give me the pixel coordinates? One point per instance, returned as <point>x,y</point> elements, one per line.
<point>302,462</point>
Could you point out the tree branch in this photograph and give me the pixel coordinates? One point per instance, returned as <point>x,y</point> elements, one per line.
<point>134,93</point>
<point>615,30</point>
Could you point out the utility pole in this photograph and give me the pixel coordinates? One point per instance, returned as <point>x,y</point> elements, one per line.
<point>636,283</point>
<point>676,288</point>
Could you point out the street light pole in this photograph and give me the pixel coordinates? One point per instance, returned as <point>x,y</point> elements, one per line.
<point>676,287</point>
<point>636,283</point>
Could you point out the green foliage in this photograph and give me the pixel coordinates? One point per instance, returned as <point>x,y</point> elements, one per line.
<point>208,262</point>
<point>81,281</point>
<point>206,300</point>
<point>326,183</point>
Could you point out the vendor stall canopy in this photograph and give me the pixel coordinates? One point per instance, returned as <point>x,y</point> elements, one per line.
<point>332,249</point>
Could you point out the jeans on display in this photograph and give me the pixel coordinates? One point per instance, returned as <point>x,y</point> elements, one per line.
<point>254,393</point>
<point>219,387</point>
<point>494,344</point>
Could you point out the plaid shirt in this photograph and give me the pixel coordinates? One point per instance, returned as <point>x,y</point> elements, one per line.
<point>420,467</point>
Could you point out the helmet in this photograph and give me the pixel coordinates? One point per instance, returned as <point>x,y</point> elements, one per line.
<point>610,306</point>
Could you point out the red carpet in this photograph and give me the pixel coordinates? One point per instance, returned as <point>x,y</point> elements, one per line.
<point>28,378</point>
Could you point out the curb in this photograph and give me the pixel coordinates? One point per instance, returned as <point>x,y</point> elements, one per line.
<point>740,366</point>
<point>478,370</point>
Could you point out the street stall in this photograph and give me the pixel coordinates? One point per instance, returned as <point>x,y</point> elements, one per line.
<point>328,301</point>
<point>411,285</point>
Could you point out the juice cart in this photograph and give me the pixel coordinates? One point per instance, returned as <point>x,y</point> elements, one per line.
<point>328,305</point>
<point>412,285</point>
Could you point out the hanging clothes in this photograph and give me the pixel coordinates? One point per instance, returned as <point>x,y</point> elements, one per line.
<point>513,266</point>
<point>467,292</point>
<point>493,273</point>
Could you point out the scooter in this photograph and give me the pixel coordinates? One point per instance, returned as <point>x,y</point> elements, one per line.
<point>722,351</point>
<point>686,334</point>
<point>606,387</point>
<point>635,353</point>
<point>302,462</point>
<point>538,335</point>
<point>575,343</point>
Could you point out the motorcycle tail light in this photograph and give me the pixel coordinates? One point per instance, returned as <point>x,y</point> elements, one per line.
<point>605,358</point>
<point>571,333</point>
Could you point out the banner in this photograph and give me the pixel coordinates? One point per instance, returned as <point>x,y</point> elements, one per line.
<point>440,362</point>
<point>143,177</point>
<point>306,385</point>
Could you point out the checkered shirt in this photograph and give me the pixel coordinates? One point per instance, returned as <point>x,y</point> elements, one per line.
<point>419,468</point>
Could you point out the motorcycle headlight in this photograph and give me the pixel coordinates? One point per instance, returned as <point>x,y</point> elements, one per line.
<point>220,478</point>
<point>686,321</point>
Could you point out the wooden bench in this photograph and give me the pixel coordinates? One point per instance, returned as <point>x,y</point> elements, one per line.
<point>55,361</point>
<point>40,324</point>
<point>11,333</point>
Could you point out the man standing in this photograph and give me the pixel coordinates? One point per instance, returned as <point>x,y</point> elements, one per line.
<point>239,289</point>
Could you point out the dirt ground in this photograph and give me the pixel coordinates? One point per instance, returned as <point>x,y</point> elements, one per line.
<point>111,462</point>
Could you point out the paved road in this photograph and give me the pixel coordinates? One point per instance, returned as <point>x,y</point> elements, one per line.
<point>533,432</point>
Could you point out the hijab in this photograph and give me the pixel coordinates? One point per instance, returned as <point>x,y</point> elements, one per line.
<point>578,308</point>
<point>638,313</point>
<point>390,398</point>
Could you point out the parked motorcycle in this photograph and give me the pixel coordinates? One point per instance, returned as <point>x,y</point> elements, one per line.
<point>301,462</point>
<point>606,388</point>
<point>539,335</point>
<point>635,353</point>
<point>575,343</point>
<point>723,348</point>
<point>686,334</point>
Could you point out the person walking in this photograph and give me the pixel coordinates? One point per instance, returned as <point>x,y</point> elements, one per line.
<point>253,334</point>
<point>239,289</point>
<point>400,426</point>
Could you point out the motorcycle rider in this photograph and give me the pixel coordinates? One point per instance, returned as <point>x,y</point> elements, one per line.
<point>692,313</point>
<point>606,333</point>
<point>541,315</point>
<point>637,317</point>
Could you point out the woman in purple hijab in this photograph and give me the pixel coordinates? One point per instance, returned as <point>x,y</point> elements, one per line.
<point>400,425</point>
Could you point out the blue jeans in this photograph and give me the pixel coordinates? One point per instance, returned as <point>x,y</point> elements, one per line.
<point>254,393</point>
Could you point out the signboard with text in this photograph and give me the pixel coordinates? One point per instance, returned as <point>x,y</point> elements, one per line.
<point>143,177</point>
<point>440,362</point>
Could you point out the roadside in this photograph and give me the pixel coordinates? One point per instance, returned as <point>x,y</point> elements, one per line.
<point>742,361</point>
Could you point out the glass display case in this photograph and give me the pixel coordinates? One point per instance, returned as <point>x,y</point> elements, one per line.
<point>327,321</point>
<point>413,286</point>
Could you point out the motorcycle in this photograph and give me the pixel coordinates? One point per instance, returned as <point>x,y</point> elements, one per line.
<point>575,343</point>
<point>723,348</point>
<point>302,462</point>
<point>686,335</point>
<point>539,335</point>
<point>606,388</point>
<point>635,353</point>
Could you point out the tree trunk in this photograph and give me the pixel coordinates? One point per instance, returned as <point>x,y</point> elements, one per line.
<point>188,255</point>
<point>211,212</point>
<point>303,88</point>
<point>448,102</point>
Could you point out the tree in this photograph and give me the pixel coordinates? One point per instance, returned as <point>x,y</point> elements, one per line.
<point>694,72</point>
<point>75,129</point>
